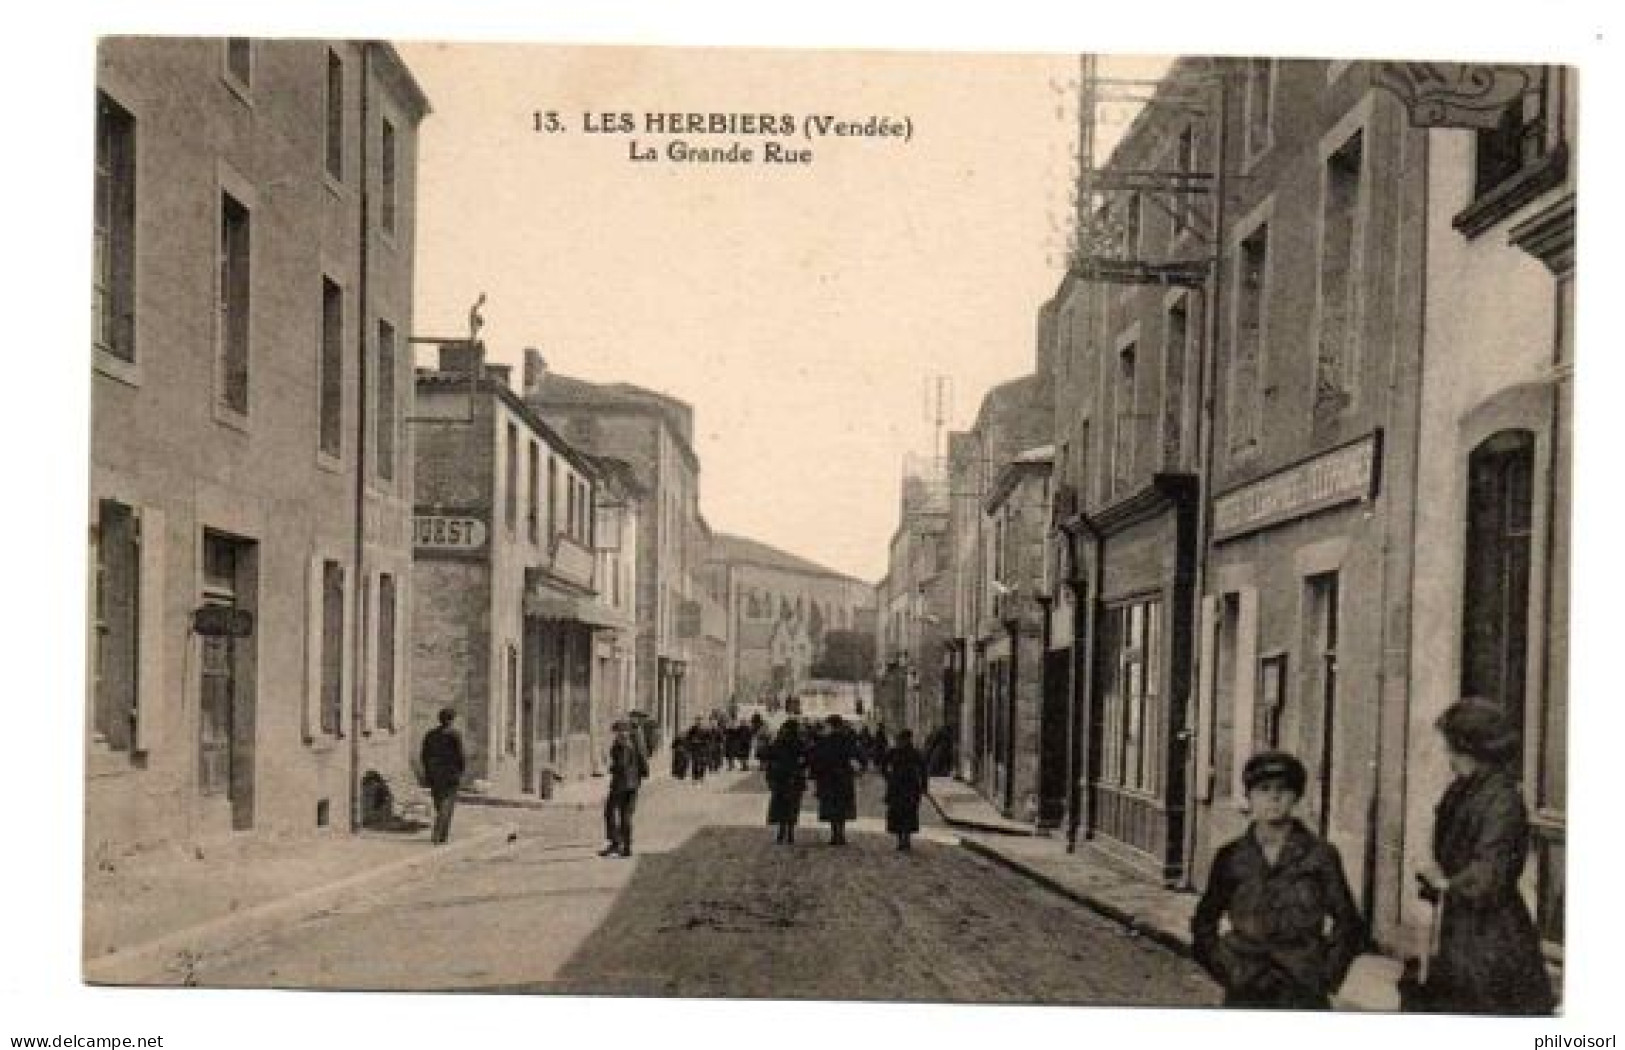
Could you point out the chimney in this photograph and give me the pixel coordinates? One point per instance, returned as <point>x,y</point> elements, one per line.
<point>462,357</point>
<point>535,371</point>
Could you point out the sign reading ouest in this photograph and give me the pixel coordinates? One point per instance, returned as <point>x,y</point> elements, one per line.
<point>1343,475</point>
<point>444,532</point>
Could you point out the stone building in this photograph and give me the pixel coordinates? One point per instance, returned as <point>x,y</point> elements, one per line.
<point>914,606</point>
<point>653,435</point>
<point>511,620</point>
<point>251,473</point>
<point>1495,450</point>
<point>768,587</point>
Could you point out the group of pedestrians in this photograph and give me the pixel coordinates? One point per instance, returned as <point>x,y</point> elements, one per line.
<point>1295,929</point>
<point>831,756</point>
<point>711,747</point>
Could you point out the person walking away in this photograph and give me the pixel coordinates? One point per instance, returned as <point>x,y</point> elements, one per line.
<point>628,768</point>
<point>906,783</point>
<point>1280,887</point>
<point>786,780</point>
<point>441,757</point>
<point>882,745</point>
<point>699,752</point>
<point>679,758</point>
<point>866,747</point>
<point>832,761</point>
<point>1489,959</point>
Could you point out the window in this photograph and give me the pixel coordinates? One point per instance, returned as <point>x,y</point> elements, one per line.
<point>1247,365</point>
<point>1131,226</point>
<point>1495,605</point>
<point>1185,159</point>
<point>1502,152</point>
<point>387,165</point>
<point>1131,715</point>
<point>234,303</point>
<point>113,276</point>
<point>533,522</point>
<point>1260,104</point>
<point>331,391</point>
<point>552,497</point>
<point>1337,356</point>
<point>387,394</point>
<point>386,651</point>
<point>335,116</point>
<point>511,693</point>
<point>1176,337</point>
<point>1123,448</point>
<point>332,648</point>
<point>115,639</point>
<point>510,478</point>
<point>240,61</point>
<point>570,507</point>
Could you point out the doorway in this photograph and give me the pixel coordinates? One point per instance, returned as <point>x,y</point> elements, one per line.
<point>226,715</point>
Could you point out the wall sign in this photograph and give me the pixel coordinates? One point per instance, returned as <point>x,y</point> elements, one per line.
<point>444,532</point>
<point>1343,475</point>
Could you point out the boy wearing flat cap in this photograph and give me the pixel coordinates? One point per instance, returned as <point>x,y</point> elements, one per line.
<point>1294,928</point>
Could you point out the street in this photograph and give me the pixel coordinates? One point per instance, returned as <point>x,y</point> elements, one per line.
<point>710,906</point>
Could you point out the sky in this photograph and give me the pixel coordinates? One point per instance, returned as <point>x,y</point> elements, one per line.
<point>804,311</point>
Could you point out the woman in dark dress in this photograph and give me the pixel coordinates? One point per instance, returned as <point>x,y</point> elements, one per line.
<point>834,754</point>
<point>905,785</point>
<point>699,752</point>
<point>1489,959</point>
<point>786,780</point>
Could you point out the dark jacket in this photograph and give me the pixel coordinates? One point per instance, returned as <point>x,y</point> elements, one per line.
<point>906,781</point>
<point>1278,949</point>
<point>627,765</point>
<point>786,780</point>
<point>832,758</point>
<point>1489,950</point>
<point>442,758</point>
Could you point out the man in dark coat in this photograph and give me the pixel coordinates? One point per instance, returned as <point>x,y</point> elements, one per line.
<point>906,784</point>
<point>833,757</point>
<point>786,767</point>
<point>627,769</point>
<point>1279,885</point>
<point>442,760</point>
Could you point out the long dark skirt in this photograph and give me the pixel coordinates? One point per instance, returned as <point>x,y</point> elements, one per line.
<point>837,797</point>
<point>784,803</point>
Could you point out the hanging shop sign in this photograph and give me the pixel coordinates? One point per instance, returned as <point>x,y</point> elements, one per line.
<point>1343,475</point>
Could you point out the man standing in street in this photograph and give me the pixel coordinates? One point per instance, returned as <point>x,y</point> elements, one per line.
<point>627,768</point>
<point>442,761</point>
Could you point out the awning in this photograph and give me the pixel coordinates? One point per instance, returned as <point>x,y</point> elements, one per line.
<point>589,611</point>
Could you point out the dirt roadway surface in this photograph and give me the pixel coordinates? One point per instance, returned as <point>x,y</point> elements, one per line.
<point>710,906</point>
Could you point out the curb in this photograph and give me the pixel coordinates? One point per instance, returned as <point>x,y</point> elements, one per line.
<point>1172,941</point>
<point>977,825</point>
<point>145,964</point>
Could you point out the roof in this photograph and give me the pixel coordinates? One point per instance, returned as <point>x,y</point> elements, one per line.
<point>563,392</point>
<point>738,550</point>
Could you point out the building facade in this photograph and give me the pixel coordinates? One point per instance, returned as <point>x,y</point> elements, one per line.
<point>510,625</point>
<point>1495,447</point>
<point>251,474</point>
<point>653,435</point>
<point>915,606</point>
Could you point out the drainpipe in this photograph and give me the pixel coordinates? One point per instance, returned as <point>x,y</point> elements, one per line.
<point>358,690</point>
<point>1213,300</point>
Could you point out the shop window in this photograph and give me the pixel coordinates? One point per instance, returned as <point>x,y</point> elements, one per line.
<point>113,265</point>
<point>1132,648</point>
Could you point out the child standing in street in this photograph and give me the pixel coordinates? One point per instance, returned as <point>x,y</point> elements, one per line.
<point>1294,928</point>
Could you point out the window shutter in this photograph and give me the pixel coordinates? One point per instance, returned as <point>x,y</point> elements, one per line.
<point>310,703</point>
<point>150,630</point>
<point>1246,684</point>
<point>1203,717</point>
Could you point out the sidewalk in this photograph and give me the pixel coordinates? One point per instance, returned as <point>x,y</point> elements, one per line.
<point>146,914</point>
<point>1104,885</point>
